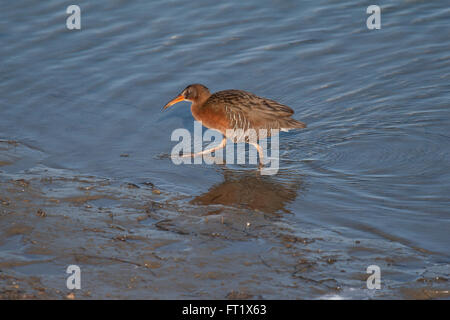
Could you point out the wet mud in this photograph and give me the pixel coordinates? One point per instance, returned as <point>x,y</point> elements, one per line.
<point>133,240</point>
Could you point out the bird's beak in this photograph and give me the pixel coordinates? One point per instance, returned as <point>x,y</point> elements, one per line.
<point>174,101</point>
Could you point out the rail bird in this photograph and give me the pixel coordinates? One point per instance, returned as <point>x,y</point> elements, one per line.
<point>229,111</point>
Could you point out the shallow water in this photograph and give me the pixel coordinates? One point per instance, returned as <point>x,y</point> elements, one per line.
<point>367,182</point>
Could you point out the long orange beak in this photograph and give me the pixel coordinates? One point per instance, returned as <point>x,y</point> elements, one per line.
<point>174,101</point>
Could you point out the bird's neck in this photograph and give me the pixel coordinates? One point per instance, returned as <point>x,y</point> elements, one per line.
<point>196,110</point>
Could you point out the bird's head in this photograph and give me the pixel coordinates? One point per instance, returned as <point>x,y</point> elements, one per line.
<point>193,93</point>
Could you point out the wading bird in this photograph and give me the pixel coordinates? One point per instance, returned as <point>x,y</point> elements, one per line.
<point>236,110</point>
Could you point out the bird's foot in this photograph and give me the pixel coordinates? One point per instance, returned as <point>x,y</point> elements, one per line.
<point>191,155</point>
<point>187,155</point>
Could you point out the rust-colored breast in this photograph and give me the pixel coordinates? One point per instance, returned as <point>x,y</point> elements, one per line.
<point>211,115</point>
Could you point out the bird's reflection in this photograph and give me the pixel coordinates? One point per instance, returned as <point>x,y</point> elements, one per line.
<point>250,190</point>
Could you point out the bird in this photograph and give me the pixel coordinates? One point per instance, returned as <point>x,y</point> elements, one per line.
<point>231,111</point>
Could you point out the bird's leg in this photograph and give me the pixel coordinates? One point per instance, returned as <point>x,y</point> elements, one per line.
<point>220,146</point>
<point>261,154</point>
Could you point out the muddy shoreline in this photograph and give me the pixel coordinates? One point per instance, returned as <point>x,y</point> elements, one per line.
<point>133,240</point>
